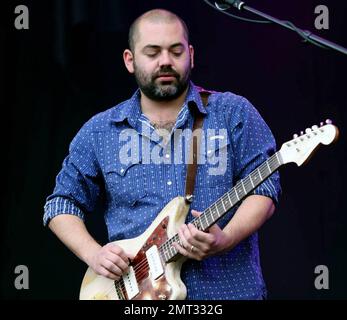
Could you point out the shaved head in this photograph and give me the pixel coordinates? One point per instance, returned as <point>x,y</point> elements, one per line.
<point>154,16</point>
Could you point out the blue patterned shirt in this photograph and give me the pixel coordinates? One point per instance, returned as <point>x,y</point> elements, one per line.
<point>119,159</point>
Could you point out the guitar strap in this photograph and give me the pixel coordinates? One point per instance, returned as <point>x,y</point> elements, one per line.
<point>194,150</point>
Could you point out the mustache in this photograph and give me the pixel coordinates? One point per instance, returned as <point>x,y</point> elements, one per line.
<point>166,71</point>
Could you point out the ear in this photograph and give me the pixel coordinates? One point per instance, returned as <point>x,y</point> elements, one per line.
<point>128,60</point>
<point>191,53</point>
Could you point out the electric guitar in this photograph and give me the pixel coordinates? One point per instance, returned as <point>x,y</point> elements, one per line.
<point>154,273</point>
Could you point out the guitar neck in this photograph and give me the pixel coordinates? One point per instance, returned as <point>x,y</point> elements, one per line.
<point>226,202</point>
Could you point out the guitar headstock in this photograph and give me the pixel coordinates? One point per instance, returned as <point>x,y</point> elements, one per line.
<point>300,148</point>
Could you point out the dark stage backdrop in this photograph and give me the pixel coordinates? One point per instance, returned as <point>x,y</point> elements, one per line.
<point>68,66</point>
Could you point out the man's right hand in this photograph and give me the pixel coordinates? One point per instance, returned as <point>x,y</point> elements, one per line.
<point>110,261</point>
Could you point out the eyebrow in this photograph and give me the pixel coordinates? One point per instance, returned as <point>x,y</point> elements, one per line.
<point>152,46</point>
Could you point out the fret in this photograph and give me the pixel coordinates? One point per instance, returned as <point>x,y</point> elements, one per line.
<point>239,191</point>
<point>199,220</point>
<point>210,218</point>
<point>202,221</point>
<point>250,178</point>
<point>259,173</point>
<point>244,189</point>
<point>205,216</point>
<point>278,159</point>
<point>249,183</point>
<point>223,205</point>
<point>196,223</point>
<point>165,256</point>
<point>217,210</point>
<point>273,163</point>
<point>211,213</point>
<point>171,250</point>
<point>235,193</point>
<point>255,177</point>
<point>230,202</point>
<point>267,162</point>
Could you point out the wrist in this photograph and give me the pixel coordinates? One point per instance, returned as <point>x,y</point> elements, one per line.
<point>89,252</point>
<point>226,242</point>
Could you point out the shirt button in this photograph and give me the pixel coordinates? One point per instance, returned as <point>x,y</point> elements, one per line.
<point>167,156</point>
<point>122,170</point>
<point>169,183</point>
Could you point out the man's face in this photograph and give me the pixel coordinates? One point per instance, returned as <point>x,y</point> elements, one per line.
<point>162,60</point>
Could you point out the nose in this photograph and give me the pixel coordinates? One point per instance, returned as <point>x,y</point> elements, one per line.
<point>165,59</point>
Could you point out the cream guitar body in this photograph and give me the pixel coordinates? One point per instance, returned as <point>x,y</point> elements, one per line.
<point>151,286</point>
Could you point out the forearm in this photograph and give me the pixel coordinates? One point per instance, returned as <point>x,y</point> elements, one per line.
<point>248,218</point>
<point>72,231</point>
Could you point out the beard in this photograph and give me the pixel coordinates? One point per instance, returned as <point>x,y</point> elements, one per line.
<point>162,90</point>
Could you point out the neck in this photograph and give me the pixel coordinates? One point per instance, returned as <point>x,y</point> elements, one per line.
<point>158,111</point>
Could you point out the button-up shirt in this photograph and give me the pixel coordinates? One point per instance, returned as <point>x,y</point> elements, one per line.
<point>119,159</point>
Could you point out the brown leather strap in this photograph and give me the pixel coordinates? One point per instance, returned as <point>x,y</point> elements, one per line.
<point>194,151</point>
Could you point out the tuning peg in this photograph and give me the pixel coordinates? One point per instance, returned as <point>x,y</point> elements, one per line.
<point>301,133</point>
<point>328,121</point>
<point>308,130</point>
<point>314,127</point>
<point>295,136</point>
<point>321,124</point>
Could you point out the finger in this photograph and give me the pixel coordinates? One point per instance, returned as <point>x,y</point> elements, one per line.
<point>105,273</point>
<point>118,261</point>
<point>117,250</point>
<point>130,256</point>
<point>192,255</point>
<point>201,240</point>
<point>196,213</point>
<point>111,267</point>
<point>182,250</point>
<point>199,235</point>
<point>214,229</point>
<point>183,241</point>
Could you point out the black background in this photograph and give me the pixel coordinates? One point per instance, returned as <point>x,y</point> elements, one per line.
<point>68,66</point>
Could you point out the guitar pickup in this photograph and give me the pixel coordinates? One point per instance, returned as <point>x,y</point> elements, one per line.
<point>154,262</point>
<point>130,283</point>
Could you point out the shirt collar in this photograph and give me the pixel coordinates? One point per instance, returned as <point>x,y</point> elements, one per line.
<point>131,109</point>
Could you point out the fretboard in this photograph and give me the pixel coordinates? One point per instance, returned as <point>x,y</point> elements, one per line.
<point>226,202</point>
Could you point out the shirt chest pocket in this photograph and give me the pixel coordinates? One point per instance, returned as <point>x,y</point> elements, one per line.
<point>216,169</point>
<point>125,183</point>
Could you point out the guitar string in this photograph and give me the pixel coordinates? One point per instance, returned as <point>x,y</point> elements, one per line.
<point>141,268</point>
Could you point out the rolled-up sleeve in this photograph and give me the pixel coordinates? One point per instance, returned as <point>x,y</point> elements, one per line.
<point>77,187</point>
<point>253,143</point>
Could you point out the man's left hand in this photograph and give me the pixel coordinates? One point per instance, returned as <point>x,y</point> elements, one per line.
<point>197,244</point>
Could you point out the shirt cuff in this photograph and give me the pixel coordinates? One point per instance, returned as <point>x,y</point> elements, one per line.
<point>268,189</point>
<point>59,206</point>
